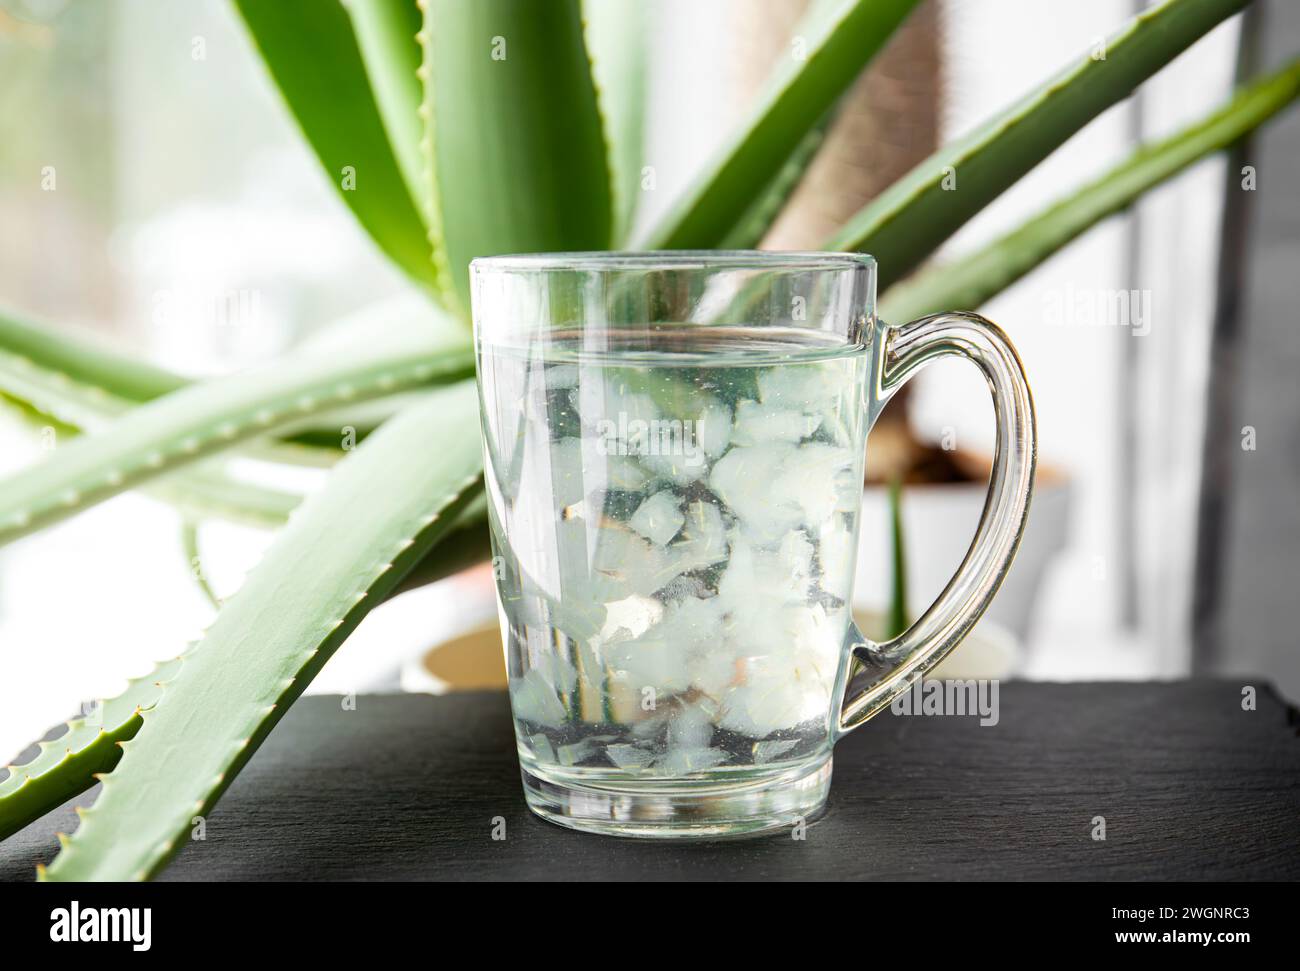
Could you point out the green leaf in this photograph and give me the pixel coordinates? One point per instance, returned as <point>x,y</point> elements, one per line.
<point>206,491</point>
<point>82,359</point>
<point>838,40</point>
<point>748,233</point>
<point>385,31</point>
<point>616,37</point>
<point>67,765</point>
<point>58,372</point>
<point>204,418</point>
<point>968,282</point>
<point>897,620</point>
<point>194,556</point>
<point>517,152</point>
<point>351,544</point>
<point>312,54</point>
<point>45,395</point>
<point>70,764</point>
<point>200,491</point>
<point>71,403</point>
<point>907,222</point>
<point>467,544</point>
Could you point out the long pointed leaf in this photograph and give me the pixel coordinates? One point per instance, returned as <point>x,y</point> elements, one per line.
<point>386,505</point>
<point>205,491</point>
<point>968,282</point>
<point>46,380</point>
<point>616,38</point>
<point>182,427</point>
<point>71,763</point>
<point>67,765</point>
<point>762,215</point>
<point>385,31</point>
<point>74,404</point>
<point>905,224</point>
<point>312,54</point>
<point>82,359</point>
<point>467,544</point>
<point>897,619</point>
<point>201,491</point>
<point>518,156</point>
<point>838,40</point>
<point>60,372</point>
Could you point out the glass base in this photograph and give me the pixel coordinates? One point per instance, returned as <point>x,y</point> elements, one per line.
<point>760,802</point>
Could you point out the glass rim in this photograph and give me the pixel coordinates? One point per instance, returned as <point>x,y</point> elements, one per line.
<point>651,260</point>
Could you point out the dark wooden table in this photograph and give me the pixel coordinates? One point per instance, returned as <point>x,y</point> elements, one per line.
<point>1191,786</point>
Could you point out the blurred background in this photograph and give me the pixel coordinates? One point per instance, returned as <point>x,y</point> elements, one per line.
<point>188,222</point>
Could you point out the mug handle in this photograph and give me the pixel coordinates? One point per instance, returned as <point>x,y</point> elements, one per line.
<point>886,670</point>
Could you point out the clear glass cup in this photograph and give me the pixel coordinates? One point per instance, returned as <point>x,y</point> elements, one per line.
<point>674,448</point>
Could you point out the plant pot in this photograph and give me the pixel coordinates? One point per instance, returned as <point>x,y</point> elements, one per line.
<point>939,521</point>
<point>470,661</point>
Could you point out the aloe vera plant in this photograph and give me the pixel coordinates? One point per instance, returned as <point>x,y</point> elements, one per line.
<point>455,130</point>
<point>88,746</point>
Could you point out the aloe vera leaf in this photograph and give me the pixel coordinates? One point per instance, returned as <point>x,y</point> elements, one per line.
<point>72,402</point>
<point>61,373</point>
<point>186,425</point>
<point>205,491</point>
<point>753,226</point>
<point>312,54</point>
<point>69,355</point>
<point>838,40</point>
<point>71,764</point>
<point>83,359</point>
<point>193,556</point>
<point>437,243</point>
<point>52,398</point>
<point>898,620</point>
<point>385,507</point>
<point>514,136</point>
<point>385,32</point>
<point>78,408</point>
<point>907,222</point>
<point>969,281</point>
<point>465,544</point>
<point>67,765</point>
<point>201,491</point>
<point>616,39</point>
<point>325,431</point>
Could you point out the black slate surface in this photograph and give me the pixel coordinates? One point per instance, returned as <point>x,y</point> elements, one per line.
<point>1191,786</point>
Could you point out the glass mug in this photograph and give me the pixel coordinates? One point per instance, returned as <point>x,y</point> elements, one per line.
<point>674,447</point>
